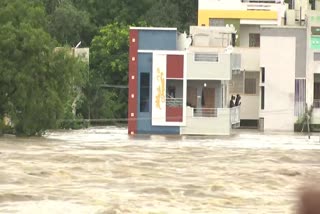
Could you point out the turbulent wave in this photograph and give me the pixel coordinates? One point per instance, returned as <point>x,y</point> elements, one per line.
<point>103,170</point>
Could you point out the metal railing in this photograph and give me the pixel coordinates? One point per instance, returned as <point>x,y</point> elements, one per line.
<point>235,115</point>
<point>205,112</point>
<point>174,102</point>
<point>263,1</point>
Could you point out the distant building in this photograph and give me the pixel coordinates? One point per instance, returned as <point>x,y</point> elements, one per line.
<point>83,53</point>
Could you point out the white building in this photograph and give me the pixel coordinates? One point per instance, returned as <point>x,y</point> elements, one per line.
<point>279,46</point>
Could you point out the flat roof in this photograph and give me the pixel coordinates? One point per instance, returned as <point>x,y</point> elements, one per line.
<point>284,26</point>
<point>153,28</point>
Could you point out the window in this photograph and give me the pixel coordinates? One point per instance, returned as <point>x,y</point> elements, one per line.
<point>250,86</point>
<point>254,40</point>
<point>206,57</point>
<point>216,22</point>
<point>263,75</point>
<point>262,97</point>
<point>172,91</point>
<point>236,84</point>
<point>316,56</point>
<point>251,83</point>
<point>144,92</point>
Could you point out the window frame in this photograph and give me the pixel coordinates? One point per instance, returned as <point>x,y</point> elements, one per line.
<point>256,42</point>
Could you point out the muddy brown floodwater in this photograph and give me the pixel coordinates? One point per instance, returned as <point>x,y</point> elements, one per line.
<point>102,170</point>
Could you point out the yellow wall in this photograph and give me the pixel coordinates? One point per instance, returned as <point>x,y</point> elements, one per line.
<point>204,15</point>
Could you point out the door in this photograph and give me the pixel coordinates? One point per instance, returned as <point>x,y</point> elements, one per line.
<point>208,98</point>
<point>192,97</point>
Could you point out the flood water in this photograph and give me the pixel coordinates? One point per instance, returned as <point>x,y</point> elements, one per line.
<point>103,170</point>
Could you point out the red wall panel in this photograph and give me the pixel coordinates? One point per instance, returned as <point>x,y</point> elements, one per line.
<point>175,66</point>
<point>174,114</point>
<point>133,82</point>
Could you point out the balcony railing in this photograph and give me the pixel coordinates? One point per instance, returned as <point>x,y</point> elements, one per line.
<point>205,112</point>
<point>263,1</point>
<point>174,102</point>
<point>235,115</point>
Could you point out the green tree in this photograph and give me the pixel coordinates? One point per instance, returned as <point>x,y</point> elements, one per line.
<point>70,25</point>
<point>183,13</point>
<point>37,82</point>
<point>51,5</point>
<point>157,15</point>
<point>109,65</point>
<point>121,11</point>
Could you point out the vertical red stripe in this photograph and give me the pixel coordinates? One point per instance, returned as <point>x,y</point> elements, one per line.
<point>133,82</point>
<point>175,66</point>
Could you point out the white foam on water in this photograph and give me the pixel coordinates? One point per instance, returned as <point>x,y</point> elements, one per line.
<point>47,206</point>
<point>102,170</point>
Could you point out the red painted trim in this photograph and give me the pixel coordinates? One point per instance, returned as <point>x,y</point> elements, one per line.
<point>175,66</point>
<point>174,114</point>
<point>133,83</point>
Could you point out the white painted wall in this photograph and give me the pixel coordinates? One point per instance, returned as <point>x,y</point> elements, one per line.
<point>220,5</point>
<point>304,5</point>
<point>315,119</point>
<point>278,56</point>
<point>231,5</point>
<point>207,125</point>
<point>258,22</point>
<point>317,5</point>
<point>250,58</point>
<point>245,30</point>
<point>183,41</point>
<point>220,70</point>
<point>249,107</point>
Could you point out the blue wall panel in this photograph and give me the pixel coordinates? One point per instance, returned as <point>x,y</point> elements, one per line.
<point>144,118</point>
<point>145,62</point>
<point>157,40</point>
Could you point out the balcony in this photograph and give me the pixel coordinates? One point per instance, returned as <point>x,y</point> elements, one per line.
<point>207,122</point>
<point>205,112</point>
<point>235,115</point>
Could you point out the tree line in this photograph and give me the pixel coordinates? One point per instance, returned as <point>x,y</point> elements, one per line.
<point>39,83</point>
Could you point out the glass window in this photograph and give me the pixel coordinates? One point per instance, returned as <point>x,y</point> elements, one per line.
<point>236,84</point>
<point>250,86</point>
<point>144,92</point>
<point>262,98</point>
<point>263,73</point>
<point>216,22</point>
<point>254,40</point>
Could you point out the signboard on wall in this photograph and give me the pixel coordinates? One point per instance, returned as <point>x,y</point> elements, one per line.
<point>315,42</point>
<point>168,66</point>
<point>315,30</point>
<point>159,73</point>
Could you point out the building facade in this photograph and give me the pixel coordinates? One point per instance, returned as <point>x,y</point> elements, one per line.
<point>178,85</point>
<point>268,52</point>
